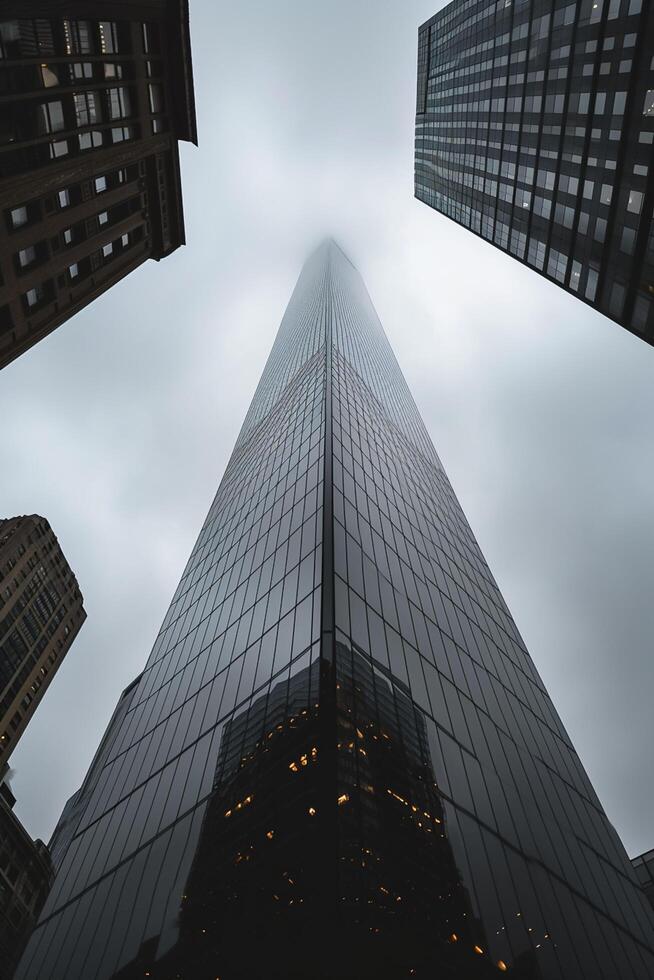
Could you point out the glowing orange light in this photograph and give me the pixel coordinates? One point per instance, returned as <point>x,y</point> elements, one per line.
<point>343,798</point>
<point>478,949</point>
<point>312,811</point>
<point>454,938</point>
<point>270,834</point>
<point>502,965</point>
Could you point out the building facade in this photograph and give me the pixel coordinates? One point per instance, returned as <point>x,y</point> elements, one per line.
<point>41,612</point>
<point>94,97</point>
<point>644,868</point>
<point>535,130</point>
<point>339,760</point>
<point>26,874</point>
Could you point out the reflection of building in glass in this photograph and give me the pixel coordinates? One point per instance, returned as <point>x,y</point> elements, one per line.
<point>339,760</point>
<point>259,876</point>
<point>535,130</point>
<point>644,868</point>
<point>93,99</point>
<point>41,613</point>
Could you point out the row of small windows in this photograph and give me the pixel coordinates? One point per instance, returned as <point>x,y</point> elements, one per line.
<point>24,38</point>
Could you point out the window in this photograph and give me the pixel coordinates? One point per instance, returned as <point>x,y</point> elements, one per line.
<point>155,94</point>
<point>49,76</point>
<point>18,217</point>
<point>619,102</point>
<point>51,117</point>
<point>63,198</point>
<point>100,184</point>
<point>103,217</point>
<point>150,38</point>
<point>120,133</point>
<point>68,236</point>
<point>648,107</point>
<point>73,270</point>
<point>87,108</point>
<point>124,240</point>
<point>108,249</point>
<point>80,71</point>
<point>108,37</point>
<point>635,202</point>
<point>606,193</point>
<point>77,37</point>
<point>34,296</point>
<point>26,256</point>
<point>88,141</point>
<point>10,46</point>
<point>113,71</point>
<point>119,103</point>
<point>58,148</point>
<point>628,241</point>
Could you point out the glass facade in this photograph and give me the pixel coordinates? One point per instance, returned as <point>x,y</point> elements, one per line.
<point>339,759</point>
<point>535,130</point>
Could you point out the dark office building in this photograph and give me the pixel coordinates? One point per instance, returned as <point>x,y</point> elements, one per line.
<point>26,874</point>
<point>339,760</point>
<point>41,613</point>
<point>94,95</point>
<point>535,130</point>
<point>644,868</point>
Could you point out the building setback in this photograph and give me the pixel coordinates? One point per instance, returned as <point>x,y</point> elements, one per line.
<point>535,130</point>
<point>339,760</point>
<point>94,97</point>
<point>41,613</point>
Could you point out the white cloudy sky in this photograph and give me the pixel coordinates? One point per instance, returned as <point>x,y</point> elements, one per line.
<point>118,427</point>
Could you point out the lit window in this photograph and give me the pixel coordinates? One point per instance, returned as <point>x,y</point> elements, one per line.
<point>68,236</point>
<point>64,198</point>
<point>103,217</point>
<point>73,270</point>
<point>100,184</point>
<point>26,256</point>
<point>89,140</point>
<point>648,108</point>
<point>108,249</point>
<point>108,37</point>
<point>124,240</point>
<point>49,76</point>
<point>18,217</point>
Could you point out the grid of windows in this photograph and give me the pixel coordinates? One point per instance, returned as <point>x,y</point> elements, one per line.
<point>339,730</point>
<point>534,128</point>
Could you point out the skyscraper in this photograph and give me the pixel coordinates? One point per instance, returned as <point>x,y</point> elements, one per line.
<point>535,130</point>
<point>94,97</point>
<point>339,760</point>
<point>41,612</point>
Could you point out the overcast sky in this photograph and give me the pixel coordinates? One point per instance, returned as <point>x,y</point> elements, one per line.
<point>118,427</point>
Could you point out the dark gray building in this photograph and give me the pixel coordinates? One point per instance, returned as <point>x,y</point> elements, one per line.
<point>535,130</point>
<point>644,868</point>
<point>339,760</point>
